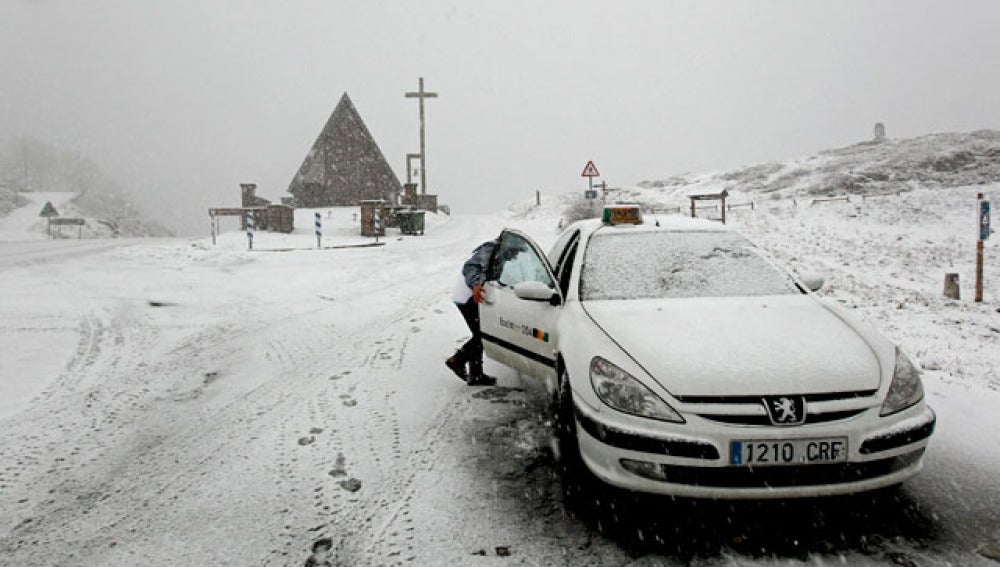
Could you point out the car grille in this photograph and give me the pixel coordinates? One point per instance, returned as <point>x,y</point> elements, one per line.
<point>778,477</point>
<point>762,420</point>
<point>750,411</point>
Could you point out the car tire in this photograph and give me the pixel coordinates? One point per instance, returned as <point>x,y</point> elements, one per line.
<point>576,478</point>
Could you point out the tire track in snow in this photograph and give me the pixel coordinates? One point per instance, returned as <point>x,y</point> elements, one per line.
<point>89,331</point>
<point>161,468</point>
<point>191,450</point>
<point>66,427</point>
<point>191,447</point>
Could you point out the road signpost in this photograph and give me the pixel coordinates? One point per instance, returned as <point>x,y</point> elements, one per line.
<point>319,229</point>
<point>590,172</point>
<point>983,219</point>
<point>250,230</point>
<point>603,186</point>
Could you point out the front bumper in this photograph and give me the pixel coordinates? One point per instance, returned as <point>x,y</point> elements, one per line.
<point>691,459</point>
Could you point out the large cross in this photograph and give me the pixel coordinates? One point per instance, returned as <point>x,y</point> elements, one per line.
<point>421,95</point>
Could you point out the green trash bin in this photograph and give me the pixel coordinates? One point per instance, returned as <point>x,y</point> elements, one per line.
<point>411,222</point>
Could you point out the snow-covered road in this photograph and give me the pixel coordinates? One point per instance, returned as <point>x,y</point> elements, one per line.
<point>175,403</point>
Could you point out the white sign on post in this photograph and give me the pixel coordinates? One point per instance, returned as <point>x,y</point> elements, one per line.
<point>984,220</point>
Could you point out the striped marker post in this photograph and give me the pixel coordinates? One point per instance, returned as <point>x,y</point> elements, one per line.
<point>378,224</point>
<point>319,230</point>
<point>250,225</point>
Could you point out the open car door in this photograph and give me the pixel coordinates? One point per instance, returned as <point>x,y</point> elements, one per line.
<point>521,303</point>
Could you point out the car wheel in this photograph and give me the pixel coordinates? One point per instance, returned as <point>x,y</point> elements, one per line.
<point>600,504</point>
<point>572,470</point>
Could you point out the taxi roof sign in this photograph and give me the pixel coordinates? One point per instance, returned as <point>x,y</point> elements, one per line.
<point>622,214</point>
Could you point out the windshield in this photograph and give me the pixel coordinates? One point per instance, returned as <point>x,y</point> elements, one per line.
<point>640,265</point>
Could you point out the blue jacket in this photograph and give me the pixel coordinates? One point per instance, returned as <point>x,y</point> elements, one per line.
<point>474,269</point>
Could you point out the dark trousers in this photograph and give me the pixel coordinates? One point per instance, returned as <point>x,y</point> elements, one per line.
<point>472,350</point>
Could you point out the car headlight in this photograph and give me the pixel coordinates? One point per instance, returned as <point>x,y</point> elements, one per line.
<point>906,388</point>
<point>621,391</point>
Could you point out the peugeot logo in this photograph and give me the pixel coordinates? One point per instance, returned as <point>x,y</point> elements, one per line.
<point>786,410</point>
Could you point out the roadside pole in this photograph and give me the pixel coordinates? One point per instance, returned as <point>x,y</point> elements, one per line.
<point>603,186</point>
<point>983,219</point>
<point>590,172</point>
<point>378,224</point>
<point>250,224</point>
<point>319,231</point>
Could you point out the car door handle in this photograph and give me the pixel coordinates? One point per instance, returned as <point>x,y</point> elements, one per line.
<point>488,294</point>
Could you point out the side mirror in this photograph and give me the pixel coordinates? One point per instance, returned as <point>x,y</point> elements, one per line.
<point>536,291</point>
<point>812,280</point>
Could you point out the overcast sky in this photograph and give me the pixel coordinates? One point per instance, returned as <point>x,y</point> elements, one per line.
<point>188,98</point>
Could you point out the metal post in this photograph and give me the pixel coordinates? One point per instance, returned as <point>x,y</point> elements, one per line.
<point>212,218</point>
<point>319,230</point>
<point>979,271</point>
<point>983,225</point>
<point>250,225</point>
<point>603,185</point>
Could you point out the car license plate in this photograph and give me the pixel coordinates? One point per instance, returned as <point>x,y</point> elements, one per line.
<point>788,452</point>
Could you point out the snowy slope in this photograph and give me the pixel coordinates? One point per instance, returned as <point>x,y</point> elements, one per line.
<point>24,223</point>
<point>890,167</point>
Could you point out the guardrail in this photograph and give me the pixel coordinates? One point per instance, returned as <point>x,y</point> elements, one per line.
<point>845,198</point>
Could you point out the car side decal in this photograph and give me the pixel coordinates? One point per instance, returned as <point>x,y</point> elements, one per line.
<point>525,329</point>
<point>520,350</point>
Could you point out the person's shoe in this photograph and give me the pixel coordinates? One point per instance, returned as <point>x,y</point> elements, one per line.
<point>481,380</point>
<point>457,366</point>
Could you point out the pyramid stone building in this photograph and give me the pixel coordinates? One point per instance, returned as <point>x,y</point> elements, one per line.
<point>345,165</point>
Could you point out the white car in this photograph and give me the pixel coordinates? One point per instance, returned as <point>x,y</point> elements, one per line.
<point>682,361</point>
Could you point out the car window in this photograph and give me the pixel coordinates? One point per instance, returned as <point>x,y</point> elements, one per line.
<point>516,262</point>
<point>620,265</point>
<point>566,269</point>
<point>558,251</point>
<point>565,244</point>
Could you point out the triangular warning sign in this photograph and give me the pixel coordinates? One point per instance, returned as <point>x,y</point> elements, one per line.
<point>590,170</point>
<point>48,210</point>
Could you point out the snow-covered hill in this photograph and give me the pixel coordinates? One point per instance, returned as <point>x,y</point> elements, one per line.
<point>934,161</point>
<point>103,217</point>
<point>45,169</point>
